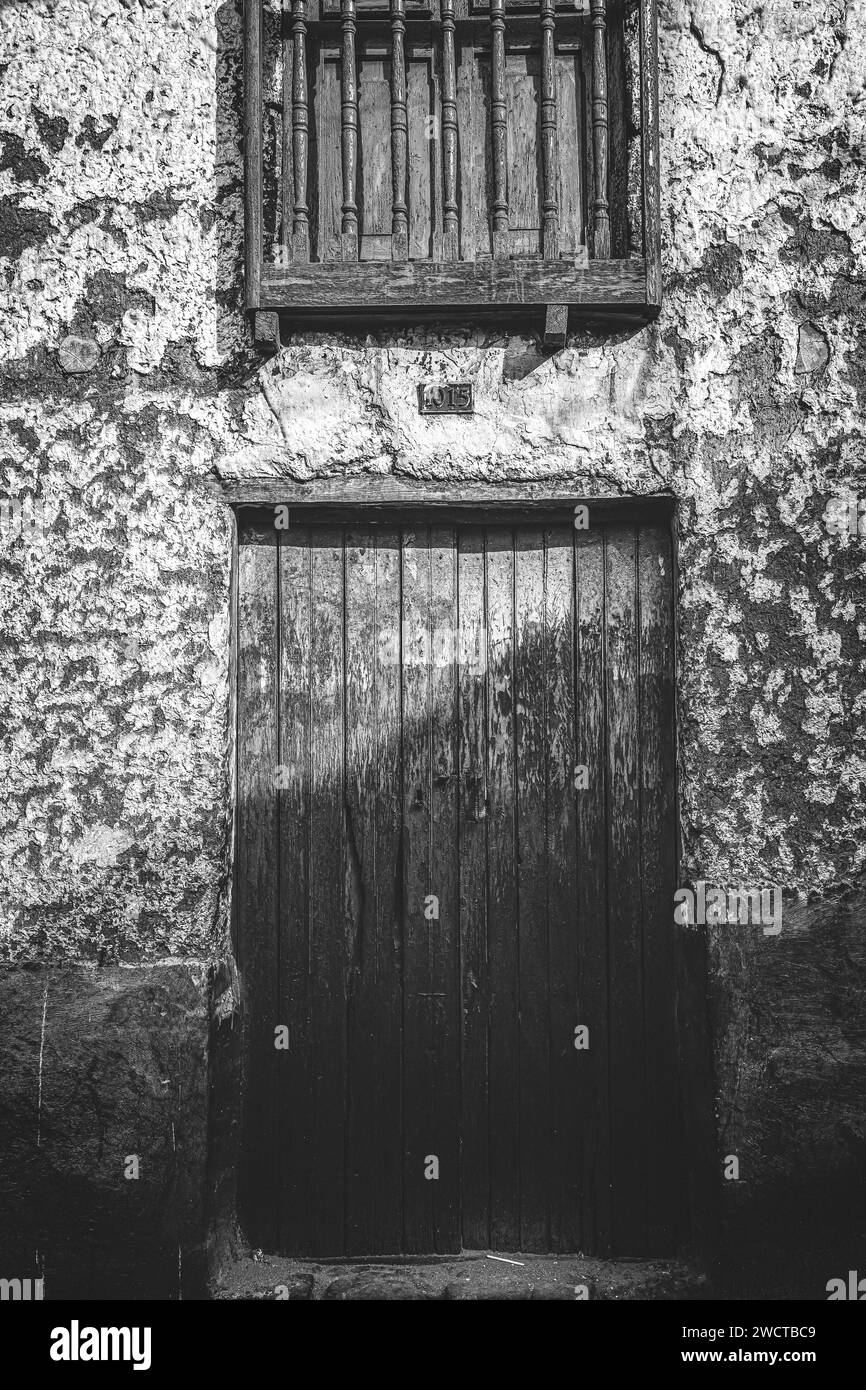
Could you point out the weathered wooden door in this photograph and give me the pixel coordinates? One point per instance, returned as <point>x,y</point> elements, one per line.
<point>456,868</point>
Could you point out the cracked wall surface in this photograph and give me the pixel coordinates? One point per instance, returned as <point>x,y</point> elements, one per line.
<point>128,387</point>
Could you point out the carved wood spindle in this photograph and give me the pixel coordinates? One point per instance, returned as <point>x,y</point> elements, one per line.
<point>300,127</point>
<point>550,202</point>
<point>399,135</point>
<point>287,175</point>
<point>498,137</point>
<point>349,132</point>
<point>450,225</point>
<point>600,206</point>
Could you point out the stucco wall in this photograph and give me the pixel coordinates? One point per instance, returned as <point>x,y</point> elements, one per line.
<point>128,384</point>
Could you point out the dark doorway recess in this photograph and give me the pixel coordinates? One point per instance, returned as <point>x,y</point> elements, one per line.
<point>457,848</point>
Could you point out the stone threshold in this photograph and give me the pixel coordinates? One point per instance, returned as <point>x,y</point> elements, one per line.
<point>471,1276</point>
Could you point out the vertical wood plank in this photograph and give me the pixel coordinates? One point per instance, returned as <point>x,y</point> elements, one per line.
<point>661,1118</point>
<point>326,163</point>
<point>418,1065</point>
<point>498,131</point>
<point>502,896</point>
<point>524,211</point>
<point>258,852</point>
<point>349,132</point>
<point>559,745</point>
<point>650,145</point>
<point>374,104</point>
<point>295,1066</point>
<point>451,226</point>
<point>430,948</point>
<point>474,964</point>
<point>331,947</point>
<point>624,895</point>
<point>421,103</point>
<point>569,118</point>
<point>374,1140</point>
<point>530,688</point>
<point>253,150</point>
<point>549,172</point>
<point>300,131</point>
<point>600,207</point>
<point>591,1064</point>
<point>399,134</point>
<point>444,935</point>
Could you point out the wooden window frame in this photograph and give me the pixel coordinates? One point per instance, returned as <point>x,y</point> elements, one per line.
<point>610,291</point>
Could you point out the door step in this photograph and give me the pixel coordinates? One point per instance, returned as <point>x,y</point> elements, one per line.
<point>516,1278</point>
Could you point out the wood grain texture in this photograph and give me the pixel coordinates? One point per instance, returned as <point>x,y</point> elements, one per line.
<point>502,921</point>
<point>624,893</point>
<point>258,877</point>
<point>533,1080</point>
<point>295,1067</point>
<point>664,1172</point>
<point>591,1064</point>
<point>558,759</point>
<point>601,286</point>
<point>332,931</point>
<point>474,960</point>
<point>328,498</point>
<point>432,902</point>
<point>374,1154</point>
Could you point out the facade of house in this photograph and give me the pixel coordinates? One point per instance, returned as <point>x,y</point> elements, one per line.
<point>147,440</point>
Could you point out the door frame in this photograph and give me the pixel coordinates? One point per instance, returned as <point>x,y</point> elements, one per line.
<point>366,500</point>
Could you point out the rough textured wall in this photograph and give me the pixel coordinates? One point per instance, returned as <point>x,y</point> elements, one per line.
<point>127,381</point>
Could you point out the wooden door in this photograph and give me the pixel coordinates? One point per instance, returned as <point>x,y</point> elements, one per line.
<point>456,865</point>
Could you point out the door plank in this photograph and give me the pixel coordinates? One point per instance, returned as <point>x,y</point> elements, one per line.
<point>330,946</point>
<point>258,851</point>
<point>502,896</point>
<point>658,866</point>
<point>374,1149</point>
<point>294,1066</point>
<point>420,1142</point>
<point>475,979</point>
<point>533,1080</point>
<point>444,935</point>
<point>624,895</point>
<point>559,744</point>
<point>591,1064</point>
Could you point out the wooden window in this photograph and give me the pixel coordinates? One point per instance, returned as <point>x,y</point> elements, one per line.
<point>471,156</point>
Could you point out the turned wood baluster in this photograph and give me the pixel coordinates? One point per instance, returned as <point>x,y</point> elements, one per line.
<point>498,135</point>
<point>287,177</point>
<point>399,134</point>
<point>450,225</point>
<point>349,132</point>
<point>550,202</point>
<point>300,126</point>
<point>600,207</point>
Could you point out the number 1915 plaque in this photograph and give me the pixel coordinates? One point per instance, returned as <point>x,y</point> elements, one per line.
<point>446,398</point>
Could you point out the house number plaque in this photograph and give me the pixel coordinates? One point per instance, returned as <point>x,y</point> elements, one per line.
<point>446,398</point>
